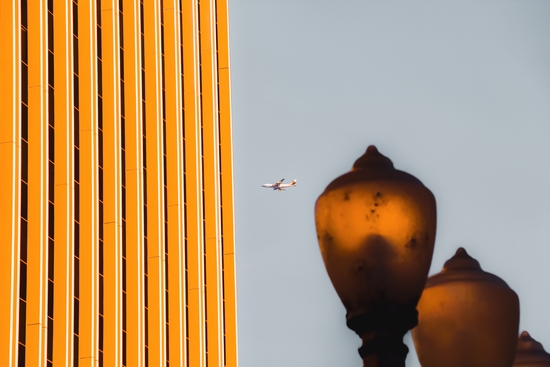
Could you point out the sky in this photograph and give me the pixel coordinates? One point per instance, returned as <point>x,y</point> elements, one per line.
<point>457,93</point>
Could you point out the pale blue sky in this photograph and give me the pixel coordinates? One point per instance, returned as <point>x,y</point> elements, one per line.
<point>456,93</point>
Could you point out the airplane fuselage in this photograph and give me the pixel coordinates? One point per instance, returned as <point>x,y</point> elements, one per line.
<point>279,186</point>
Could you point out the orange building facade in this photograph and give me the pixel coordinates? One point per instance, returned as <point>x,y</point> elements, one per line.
<point>116,184</point>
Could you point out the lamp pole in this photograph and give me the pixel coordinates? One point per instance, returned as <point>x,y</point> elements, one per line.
<point>376,230</point>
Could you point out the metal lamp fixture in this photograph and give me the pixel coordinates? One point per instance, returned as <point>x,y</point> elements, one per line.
<point>376,231</point>
<point>530,353</point>
<point>467,317</point>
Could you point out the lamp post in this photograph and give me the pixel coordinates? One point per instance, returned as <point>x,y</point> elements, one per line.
<point>468,317</point>
<point>376,230</point>
<point>530,353</point>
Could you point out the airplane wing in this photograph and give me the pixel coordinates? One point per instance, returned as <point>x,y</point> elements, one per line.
<point>276,185</point>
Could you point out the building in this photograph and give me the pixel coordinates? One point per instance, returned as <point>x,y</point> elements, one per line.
<point>116,196</point>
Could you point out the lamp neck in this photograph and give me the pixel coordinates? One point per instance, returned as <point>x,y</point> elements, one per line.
<point>382,330</point>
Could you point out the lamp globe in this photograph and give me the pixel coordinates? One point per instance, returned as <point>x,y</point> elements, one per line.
<point>376,229</point>
<point>467,317</point>
<point>530,353</point>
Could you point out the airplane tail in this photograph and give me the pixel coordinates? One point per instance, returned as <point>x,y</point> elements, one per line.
<point>293,183</point>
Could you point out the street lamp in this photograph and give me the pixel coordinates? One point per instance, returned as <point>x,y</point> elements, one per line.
<point>376,230</point>
<point>530,353</point>
<point>467,317</point>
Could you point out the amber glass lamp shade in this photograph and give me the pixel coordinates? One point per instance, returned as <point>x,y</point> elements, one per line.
<point>376,230</point>
<point>530,353</point>
<point>467,318</point>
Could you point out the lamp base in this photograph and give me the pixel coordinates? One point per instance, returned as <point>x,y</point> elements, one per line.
<point>382,329</point>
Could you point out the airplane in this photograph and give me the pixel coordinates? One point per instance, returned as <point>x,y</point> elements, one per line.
<point>279,186</point>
